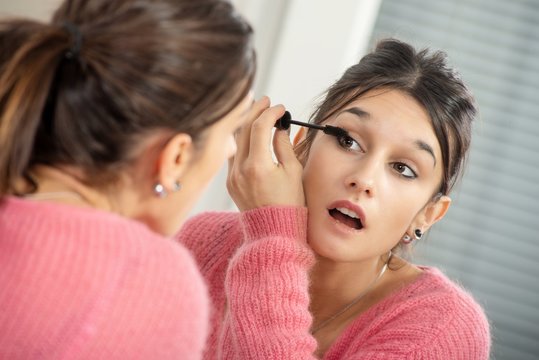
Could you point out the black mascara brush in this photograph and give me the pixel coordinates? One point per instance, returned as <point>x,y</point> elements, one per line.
<point>284,123</point>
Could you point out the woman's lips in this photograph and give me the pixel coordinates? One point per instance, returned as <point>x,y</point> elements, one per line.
<point>347,216</point>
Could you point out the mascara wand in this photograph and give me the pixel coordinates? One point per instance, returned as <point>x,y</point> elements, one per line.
<point>284,124</point>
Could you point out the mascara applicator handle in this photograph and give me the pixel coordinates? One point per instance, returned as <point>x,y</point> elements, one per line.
<point>284,122</point>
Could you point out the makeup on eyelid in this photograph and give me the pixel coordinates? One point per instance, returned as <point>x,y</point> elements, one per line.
<point>286,120</point>
<point>414,144</point>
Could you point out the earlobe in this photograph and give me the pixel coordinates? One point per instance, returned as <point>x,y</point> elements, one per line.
<point>432,212</point>
<point>174,159</point>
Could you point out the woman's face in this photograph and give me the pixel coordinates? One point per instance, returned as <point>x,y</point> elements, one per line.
<point>219,143</point>
<point>384,174</point>
<point>217,146</point>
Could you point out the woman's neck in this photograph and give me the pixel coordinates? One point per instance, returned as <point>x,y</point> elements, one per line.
<point>339,292</point>
<point>63,185</point>
<point>334,284</point>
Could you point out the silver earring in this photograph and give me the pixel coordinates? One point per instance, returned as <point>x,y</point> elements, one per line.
<point>406,239</point>
<point>159,190</point>
<point>418,234</point>
<point>176,186</point>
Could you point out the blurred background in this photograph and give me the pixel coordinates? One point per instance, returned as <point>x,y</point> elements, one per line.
<point>489,241</point>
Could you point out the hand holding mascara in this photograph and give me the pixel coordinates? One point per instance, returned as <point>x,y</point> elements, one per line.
<point>265,170</point>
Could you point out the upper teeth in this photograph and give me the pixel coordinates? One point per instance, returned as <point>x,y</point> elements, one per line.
<point>348,212</point>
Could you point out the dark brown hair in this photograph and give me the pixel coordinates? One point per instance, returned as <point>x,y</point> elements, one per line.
<point>424,76</point>
<point>142,66</point>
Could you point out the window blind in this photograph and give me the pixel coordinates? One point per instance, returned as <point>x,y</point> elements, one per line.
<point>489,240</point>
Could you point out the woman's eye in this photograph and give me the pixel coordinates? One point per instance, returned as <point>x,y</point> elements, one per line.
<point>349,143</point>
<point>404,170</point>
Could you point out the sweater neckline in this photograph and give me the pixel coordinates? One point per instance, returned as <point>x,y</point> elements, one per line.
<point>427,272</point>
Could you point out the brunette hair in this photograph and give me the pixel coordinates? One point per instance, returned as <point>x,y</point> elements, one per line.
<point>82,90</point>
<point>427,78</point>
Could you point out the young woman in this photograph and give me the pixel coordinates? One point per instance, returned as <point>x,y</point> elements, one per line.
<point>310,268</point>
<point>114,118</point>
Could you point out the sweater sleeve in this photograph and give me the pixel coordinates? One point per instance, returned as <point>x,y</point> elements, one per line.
<point>212,238</point>
<point>267,288</point>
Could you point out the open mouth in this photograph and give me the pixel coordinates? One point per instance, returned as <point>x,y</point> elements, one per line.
<point>346,217</point>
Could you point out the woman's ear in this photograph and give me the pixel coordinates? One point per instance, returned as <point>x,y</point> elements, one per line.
<point>174,159</point>
<point>300,135</point>
<point>434,211</point>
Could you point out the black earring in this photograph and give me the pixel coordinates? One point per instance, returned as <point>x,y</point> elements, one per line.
<point>418,234</point>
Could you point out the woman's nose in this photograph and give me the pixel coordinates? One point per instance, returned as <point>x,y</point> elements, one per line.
<point>364,178</point>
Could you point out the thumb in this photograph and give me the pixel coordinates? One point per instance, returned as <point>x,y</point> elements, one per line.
<point>283,148</point>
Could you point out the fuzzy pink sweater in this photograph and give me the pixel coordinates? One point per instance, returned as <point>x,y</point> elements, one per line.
<point>257,264</point>
<point>79,283</point>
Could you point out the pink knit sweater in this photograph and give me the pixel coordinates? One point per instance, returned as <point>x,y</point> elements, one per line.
<point>257,264</point>
<point>79,283</point>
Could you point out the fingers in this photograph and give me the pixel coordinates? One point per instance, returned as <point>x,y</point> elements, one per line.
<point>242,138</point>
<point>254,179</point>
<point>261,133</point>
<point>283,148</point>
<point>243,135</point>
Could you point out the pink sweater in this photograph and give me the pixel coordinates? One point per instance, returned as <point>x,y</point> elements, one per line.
<point>258,262</point>
<point>79,283</point>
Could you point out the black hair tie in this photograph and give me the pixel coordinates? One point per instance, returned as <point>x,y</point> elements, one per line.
<point>76,40</point>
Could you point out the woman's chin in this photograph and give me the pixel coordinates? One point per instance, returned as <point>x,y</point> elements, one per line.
<point>330,250</point>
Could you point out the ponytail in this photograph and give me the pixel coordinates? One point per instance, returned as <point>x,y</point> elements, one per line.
<point>83,91</point>
<point>34,51</point>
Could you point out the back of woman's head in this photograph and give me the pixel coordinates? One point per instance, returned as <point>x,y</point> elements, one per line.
<point>424,76</point>
<point>84,90</point>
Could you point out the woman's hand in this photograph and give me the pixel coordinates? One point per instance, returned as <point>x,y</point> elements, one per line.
<point>254,178</point>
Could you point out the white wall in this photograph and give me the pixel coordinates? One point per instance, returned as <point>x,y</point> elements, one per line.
<point>39,9</point>
<point>320,39</point>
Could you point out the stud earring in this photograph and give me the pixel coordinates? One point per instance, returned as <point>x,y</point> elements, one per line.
<point>418,234</point>
<point>176,186</point>
<point>406,239</point>
<point>160,191</point>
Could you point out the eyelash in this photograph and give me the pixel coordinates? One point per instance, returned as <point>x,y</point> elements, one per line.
<point>342,138</point>
<point>413,176</point>
<point>341,141</point>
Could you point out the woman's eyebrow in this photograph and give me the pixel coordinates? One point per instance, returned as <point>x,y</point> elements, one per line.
<point>359,112</point>
<point>420,144</point>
